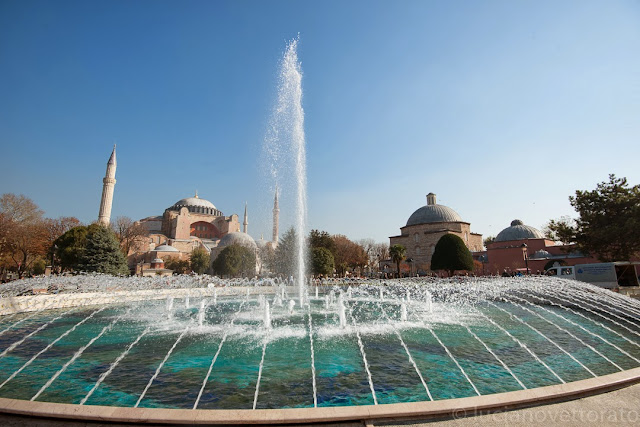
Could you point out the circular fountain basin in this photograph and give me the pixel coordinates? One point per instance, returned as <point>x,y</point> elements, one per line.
<point>352,345</point>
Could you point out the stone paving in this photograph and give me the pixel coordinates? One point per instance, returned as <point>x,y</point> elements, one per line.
<point>616,408</point>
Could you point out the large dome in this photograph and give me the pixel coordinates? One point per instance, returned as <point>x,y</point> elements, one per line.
<point>518,231</point>
<point>237,238</point>
<point>433,212</point>
<point>197,205</point>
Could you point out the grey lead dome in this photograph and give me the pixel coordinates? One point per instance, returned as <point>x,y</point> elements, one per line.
<point>433,212</point>
<point>237,238</point>
<point>518,231</point>
<point>196,205</point>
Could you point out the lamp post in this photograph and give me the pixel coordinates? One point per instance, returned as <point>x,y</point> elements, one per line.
<point>55,249</point>
<point>525,256</point>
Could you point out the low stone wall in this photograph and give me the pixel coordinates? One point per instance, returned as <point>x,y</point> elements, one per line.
<point>11,305</point>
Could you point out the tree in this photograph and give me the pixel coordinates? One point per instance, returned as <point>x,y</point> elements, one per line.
<point>69,248</point>
<point>180,266</point>
<point>609,222</point>
<point>55,228</point>
<point>20,209</point>
<point>560,230</point>
<point>267,255</point>
<point>487,241</point>
<point>200,260</point>
<point>348,254</point>
<point>451,254</point>
<point>38,267</point>
<point>321,239</point>
<point>397,253</point>
<point>322,263</point>
<point>23,232</point>
<point>102,252</point>
<point>285,260</point>
<point>376,252</point>
<point>129,233</point>
<point>234,261</point>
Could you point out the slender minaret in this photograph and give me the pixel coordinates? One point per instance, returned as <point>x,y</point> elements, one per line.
<point>245,223</point>
<point>108,184</point>
<point>276,215</point>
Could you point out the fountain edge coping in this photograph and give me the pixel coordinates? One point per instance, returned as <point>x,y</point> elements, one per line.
<point>388,412</point>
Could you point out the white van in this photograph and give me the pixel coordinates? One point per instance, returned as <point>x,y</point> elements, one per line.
<point>604,274</point>
<point>563,271</point>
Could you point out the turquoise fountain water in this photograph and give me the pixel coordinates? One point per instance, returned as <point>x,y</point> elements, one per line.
<point>354,344</point>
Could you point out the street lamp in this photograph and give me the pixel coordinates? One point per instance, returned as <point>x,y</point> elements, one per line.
<point>55,249</point>
<point>525,256</point>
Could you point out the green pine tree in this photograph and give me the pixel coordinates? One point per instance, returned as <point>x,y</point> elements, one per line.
<point>102,252</point>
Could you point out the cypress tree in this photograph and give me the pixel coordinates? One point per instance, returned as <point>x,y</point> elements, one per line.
<point>102,252</point>
<point>451,254</point>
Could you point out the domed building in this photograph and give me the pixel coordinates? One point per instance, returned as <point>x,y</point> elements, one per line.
<point>518,231</point>
<point>426,226</point>
<point>188,224</point>
<point>520,247</point>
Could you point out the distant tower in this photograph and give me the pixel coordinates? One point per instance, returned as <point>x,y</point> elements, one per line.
<point>245,223</point>
<point>108,184</point>
<point>276,215</point>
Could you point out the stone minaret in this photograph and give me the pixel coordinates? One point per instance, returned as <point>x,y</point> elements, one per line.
<point>245,223</point>
<point>276,215</point>
<point>108,184</point>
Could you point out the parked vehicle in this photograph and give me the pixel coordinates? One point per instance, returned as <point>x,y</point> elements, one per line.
<point>604,274</point>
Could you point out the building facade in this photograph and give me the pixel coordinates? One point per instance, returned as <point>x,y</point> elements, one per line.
<point>426,226</point>
<point>520,247</point>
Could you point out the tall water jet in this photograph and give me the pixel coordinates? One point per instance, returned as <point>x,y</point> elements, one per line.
<point>267,315</point>
<point>284,141</point>
<point>202,311</point>
<point>342,315</point>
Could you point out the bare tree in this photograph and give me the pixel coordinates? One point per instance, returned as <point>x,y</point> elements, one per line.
<point>376,252</point>
<point>23,232</point>
<point>130,234</point>
<point>55,228</point>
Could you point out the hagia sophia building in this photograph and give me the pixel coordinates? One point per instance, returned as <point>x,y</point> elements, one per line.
<point>190,223</point>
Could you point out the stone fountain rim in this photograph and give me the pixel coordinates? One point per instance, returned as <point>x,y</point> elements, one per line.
<point>446,408</point>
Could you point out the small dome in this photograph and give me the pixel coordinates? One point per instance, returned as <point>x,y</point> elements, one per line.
<point>165,248</point>
<point>518,231</point>
<point>237,238</point>
<point>433,212</point>
<point>157,261</point>
<point>541,254</point>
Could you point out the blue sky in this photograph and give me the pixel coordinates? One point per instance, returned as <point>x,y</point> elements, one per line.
<point>501,108</point>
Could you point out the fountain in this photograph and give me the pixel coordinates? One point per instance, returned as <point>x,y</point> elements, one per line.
<point>451,339</point>
<point>157,343</point>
